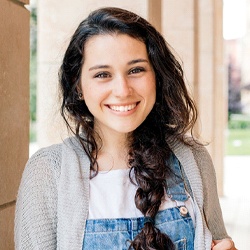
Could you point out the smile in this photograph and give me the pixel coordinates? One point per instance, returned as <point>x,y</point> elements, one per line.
<point>123,108</point>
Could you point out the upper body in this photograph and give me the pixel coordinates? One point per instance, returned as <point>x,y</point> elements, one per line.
<point>52,205</point>
<point>124,98</point>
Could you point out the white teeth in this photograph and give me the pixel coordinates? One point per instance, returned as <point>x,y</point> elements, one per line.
<point>123,108</point>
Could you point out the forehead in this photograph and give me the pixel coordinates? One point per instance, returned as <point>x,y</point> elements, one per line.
<point>114,35</point>
<point>113,43</point>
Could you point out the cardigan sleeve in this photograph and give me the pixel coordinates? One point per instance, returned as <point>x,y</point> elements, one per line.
<point>212,209</point>
<point>35,217</point>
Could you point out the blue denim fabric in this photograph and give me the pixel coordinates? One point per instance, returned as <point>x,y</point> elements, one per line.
<point>116,234</point>
<point>175,186</point>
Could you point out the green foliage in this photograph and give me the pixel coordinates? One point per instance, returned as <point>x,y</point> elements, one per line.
<point>33,132</point>
<point>239,121</point>
<point>238,137</point>
<point>238,142</point>
<point>33,72</point>
<point>33,63</point>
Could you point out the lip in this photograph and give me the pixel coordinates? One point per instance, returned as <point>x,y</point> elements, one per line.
<point>123,109</point>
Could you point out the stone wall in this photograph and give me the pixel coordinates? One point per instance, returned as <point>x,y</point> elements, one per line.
<point>14,110</point>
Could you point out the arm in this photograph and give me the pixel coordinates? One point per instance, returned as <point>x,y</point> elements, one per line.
<point>35,218</point>
<point>212,209</point>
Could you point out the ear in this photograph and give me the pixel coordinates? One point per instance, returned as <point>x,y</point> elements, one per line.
<point>78,88</point>
<point>80,92</point>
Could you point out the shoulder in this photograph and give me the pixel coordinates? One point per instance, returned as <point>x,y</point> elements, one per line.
<point>44,160</point>
<point>195,160</point>
<point>57,160</point>
<point>191,150</point>
<point>203,161</point>
<point>49,153</point>
<point>41,172</point>
<point>50,158</point>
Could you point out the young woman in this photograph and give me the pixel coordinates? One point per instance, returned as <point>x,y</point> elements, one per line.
<point>129,178</point>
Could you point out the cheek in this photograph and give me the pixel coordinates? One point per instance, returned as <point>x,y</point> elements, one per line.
<point>151,89</point>
<point>87,91</point>
<point>93,96</point>
<point>152,93</point>
<point>87,95</point>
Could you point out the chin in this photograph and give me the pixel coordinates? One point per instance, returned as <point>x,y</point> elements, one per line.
<point>126,130</point>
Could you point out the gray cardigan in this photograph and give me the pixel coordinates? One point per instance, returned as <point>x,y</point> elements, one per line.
<point>52,203</point>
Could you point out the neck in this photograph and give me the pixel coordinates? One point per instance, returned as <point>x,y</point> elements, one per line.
<point>112,141</point>
<point>113,147</point>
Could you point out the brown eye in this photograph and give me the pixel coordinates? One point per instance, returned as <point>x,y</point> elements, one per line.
<point>136,70</point>
<point>102,75</point>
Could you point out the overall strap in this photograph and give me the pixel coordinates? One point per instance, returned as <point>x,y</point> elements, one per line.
<point>177,185</point>
<point>183,152</point>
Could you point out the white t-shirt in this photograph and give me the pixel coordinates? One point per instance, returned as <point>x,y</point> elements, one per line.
<point>112,196</point>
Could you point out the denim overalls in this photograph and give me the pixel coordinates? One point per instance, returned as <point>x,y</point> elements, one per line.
<point>116,234</point>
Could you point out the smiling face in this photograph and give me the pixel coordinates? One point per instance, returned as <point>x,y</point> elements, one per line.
<point>117,82</point>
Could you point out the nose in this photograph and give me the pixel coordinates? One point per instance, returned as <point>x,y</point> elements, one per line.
<point>121,87</point>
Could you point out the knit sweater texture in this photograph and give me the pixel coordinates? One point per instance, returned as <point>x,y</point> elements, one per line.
<point>53,197</point>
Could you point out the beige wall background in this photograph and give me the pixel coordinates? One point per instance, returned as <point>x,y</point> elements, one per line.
<point>192,27</point>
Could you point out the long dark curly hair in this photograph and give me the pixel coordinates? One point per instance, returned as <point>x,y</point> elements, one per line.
<point>174,112</point>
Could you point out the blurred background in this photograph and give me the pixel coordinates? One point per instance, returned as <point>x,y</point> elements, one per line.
<point>211,39</point>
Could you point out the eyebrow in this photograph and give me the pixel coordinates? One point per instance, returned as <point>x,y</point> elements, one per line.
<point>104,66</point>
<point>99,67</point>
<point>137,61</point>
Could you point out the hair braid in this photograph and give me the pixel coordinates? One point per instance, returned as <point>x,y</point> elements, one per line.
<point>148,155</point>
